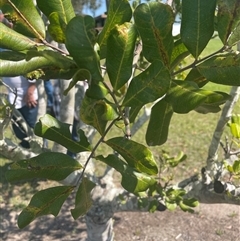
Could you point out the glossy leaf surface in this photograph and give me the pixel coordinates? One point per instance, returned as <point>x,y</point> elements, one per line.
<point>154,23</point>
<point>121,45</point>
<point>93,112</point>
<point>148,86</point>
<point>228,17</point>
<point>81,41</point>
<point>235,36</point>
<point>119,12</point>
<point>50,128</point>
<point>25,17</point>
<point>50,165</point>
<point>132,180</point>
<point>135,154</point>
<point>83,200</point>
<point>57,28</point>
<point>64,8</point>
<point>185,96</point>
<point>222,69</point>
<point>197,25</point>
<point>10,39</point>
<point>179,53</point>
<point>157,130</point>
<point>195,76</point>
<point>39,62</point>
<point>44,202</point>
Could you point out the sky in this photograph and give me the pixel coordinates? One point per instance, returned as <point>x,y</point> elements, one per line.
<point>102,9</point>
<point>98,12</point>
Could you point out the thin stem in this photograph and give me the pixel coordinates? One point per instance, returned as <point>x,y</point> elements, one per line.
<point>35,31</point>
<point>95,148</point>
<point>25,20</point>
<point>199,61</point>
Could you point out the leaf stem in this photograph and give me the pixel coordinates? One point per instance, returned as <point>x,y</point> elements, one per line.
<point>199,61</point>
<point>95,148</point>
<point>25,20</point>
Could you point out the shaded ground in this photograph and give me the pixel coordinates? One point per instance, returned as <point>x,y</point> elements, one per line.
<point>209,223</point>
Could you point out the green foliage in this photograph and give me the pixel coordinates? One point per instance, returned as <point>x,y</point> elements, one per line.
<point>44,202</point>
<point>120,95</point>
<point>83,200</point>
<point>54,166</point>
<point>196,15</point>
<point>52,129</point>
<point>132,180</point>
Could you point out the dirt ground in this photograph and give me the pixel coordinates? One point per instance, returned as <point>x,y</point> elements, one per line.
<point>209,223</point>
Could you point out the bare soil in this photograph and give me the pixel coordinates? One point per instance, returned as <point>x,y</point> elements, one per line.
<point>209,223</point>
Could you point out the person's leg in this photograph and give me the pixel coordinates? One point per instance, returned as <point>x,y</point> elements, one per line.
<point>50,100</point>
<point>30,116</point>
<point>49,92</point>
<point>75,136</point>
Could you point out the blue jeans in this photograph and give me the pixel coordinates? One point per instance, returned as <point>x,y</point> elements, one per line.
<point>30,116</point>
<point>49,91</point>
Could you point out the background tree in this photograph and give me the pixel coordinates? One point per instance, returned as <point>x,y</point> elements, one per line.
<point>92,5</point>
<point>129,35</point>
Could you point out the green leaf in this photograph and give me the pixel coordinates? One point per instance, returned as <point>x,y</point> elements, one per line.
<point>157,130</point>
<point>37,65</point>
<point>174,161</point>
<point>97,90</point>
<point>197,25</point>
<point>64,8</point>
<point>50,165</point>
<point>236,167</point>
<point>185,96</point>
<point>235,130</point>
<point>195,76</point>
<point>222,69</point>
<point>91,113</point>
<point>56,58</point>
<point>235,36</point>
<point>44,202</point>
<point>21,67</point>
<point>81,43</point>
<point>179,53</point>
<point>208,108</point>
<point>25,17</point>
<point>57,27</point>
<point>154,22</point>
<point>171,206</point>
<point>148,86</point>
<point>228,17</point>
<point>153,205</point>
<point>191,202</point>
<point>132,180</point>
<point>83,201</point>
<point>135,154</point>
<point>80,75</point>
<point>119,12</point>
<point>50,128</point>
<point>121,45</point>
<point>185,207</point>
<point>10,39</point>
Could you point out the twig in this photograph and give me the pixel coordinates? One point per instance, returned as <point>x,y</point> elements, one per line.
<point>198,61</point>
<point>95,148</point>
